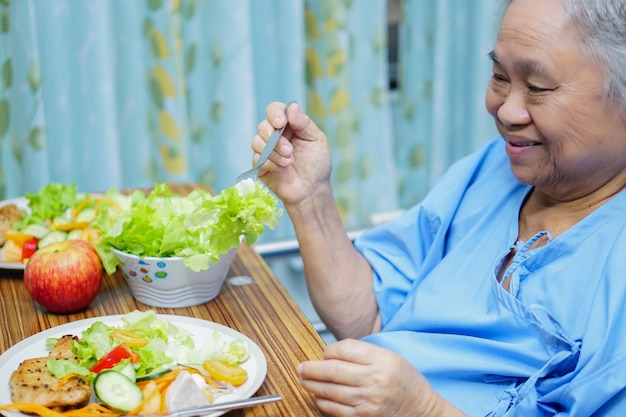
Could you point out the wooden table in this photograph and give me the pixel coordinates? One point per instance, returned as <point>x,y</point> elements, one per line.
<point>261,310</point>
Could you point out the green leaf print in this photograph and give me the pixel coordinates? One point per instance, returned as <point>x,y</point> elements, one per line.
<point>365,166</point>
<point>190,10</point>
<point>7,73</point>
<point>37,138</point>
<point>207,176</point>
<point>216,54</point>
<point>17,148</point>
<point>5,117</point>
<point>155,4</point>
<point>34,76</point>
<point>344,171</point>
<point>155,93</point>
<point>5,21</point>
<point>416,156</point>
<point>190,59</point>
<point>217,111</point>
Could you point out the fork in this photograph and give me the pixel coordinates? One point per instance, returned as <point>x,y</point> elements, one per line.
<point>231,405</point>
<point>226,406</point>
<point>265,154</point>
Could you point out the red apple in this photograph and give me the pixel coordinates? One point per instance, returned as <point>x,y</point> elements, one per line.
<point>64,277</point>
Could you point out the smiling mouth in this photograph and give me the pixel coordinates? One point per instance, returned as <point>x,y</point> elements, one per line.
<point>521,144</point>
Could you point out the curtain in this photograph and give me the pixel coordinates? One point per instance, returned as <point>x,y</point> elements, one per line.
<point>443,71</point>
<point>119,93</point>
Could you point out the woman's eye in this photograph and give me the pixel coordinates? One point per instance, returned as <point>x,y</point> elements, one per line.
<point>497,77</point>
<point>535,89</point>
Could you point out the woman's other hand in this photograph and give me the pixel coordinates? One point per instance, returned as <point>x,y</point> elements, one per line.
<point>301,162</point>
<point>357,378</point>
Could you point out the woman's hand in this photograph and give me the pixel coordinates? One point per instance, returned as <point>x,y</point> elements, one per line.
<point>301,160</point>
<point>357,378</point>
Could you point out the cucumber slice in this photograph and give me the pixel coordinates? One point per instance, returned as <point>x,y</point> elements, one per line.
<point>153,375</point>
<point>74,234</point>
<point>52,237</point>
<point>36,230</point>
<point>115,390</point>
<point>128,370</point>
<point>86,215</point>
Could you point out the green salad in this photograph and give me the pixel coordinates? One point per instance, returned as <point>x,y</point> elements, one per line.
<point>163,345</point>
<point>198,227</point>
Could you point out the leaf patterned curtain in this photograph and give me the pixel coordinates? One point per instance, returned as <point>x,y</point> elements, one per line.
<point>443,69</point>
<point>128,93</point>
<point>347,95</point>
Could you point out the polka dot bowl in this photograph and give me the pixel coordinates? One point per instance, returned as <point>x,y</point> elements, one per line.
<point>167,282</point>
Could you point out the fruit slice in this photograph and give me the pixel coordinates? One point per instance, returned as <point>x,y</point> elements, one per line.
<point>221,371</point>
<point>18,237</point>
<point>11,252</point>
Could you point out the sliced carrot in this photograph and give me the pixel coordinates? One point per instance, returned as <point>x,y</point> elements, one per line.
<point>100,199</point>
<point>81,206</point>
<point>211,381</point>
<point>89,234</point>
<point>163,379</point>
<point>31,409</point>
<point>63,380</point>
<point>162,384</point>
<point>109,201</point>
<point>91,410</point>
<point>151,403</point>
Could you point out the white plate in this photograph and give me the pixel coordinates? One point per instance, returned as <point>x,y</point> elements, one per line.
<point>202,330</point>
<point>20,202</point>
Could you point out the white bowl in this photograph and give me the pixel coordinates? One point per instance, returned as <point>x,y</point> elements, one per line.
<point>167,282</point>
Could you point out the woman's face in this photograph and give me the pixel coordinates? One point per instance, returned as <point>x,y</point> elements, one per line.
<point>545,95</point>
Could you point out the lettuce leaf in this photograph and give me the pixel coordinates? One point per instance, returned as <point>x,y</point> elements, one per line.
<point>199,227</point>
<point>95,342</point>
<point>234,352</point>
<point>56,202</point>
<point>168,344</point>
<point>63,367</point>
<point>51,201</point>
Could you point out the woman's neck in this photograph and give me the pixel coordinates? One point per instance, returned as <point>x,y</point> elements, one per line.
<point>542,212</point>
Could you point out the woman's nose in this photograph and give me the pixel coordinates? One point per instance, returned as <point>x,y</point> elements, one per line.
<point>513,111</point>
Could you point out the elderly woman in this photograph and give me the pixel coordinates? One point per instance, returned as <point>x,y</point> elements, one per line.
<point>504,291</point>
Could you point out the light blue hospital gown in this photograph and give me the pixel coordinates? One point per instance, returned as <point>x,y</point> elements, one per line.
<point>554,345</point>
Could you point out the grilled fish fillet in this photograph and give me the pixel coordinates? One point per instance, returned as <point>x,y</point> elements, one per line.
<point>32,382</point>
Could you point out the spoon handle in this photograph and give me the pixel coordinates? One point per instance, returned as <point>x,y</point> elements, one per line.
<point>271,142</point>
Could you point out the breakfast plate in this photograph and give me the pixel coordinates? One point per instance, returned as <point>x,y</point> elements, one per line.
<point>201,330</point>
<point>22,203</point>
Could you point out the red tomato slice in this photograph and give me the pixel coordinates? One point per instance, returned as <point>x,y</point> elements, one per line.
<point>115,356</point>
<point>29,248</point>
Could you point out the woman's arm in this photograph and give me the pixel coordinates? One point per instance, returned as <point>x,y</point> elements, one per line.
<point>298,172</point>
